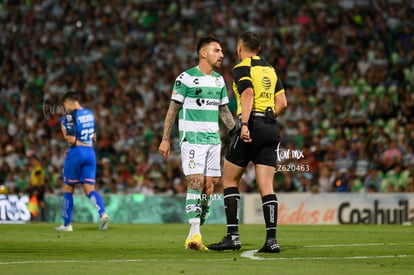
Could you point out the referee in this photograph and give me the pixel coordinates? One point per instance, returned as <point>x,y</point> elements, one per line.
<point>260,99</point>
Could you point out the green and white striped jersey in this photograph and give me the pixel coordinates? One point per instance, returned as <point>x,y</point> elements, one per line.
<point>200,95</point>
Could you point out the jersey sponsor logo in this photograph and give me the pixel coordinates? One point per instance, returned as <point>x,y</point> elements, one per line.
<point>198,91</point>
<point>265,95</point>
<point>195,81</point>
<point>177,83</point>
<point>214,92</point>
<point>85,118</point>
<point>266,82</point>
<point>212,103</point>
<point>200,102</point>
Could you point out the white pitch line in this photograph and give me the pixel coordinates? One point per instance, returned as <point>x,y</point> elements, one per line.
<point>358,244</point>
<point>68,261</point>
<point>247,254</point>
<point>109,261</point>
<point>250,255</point>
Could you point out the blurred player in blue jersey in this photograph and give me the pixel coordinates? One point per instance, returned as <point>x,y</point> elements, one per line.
<point>78,128</point>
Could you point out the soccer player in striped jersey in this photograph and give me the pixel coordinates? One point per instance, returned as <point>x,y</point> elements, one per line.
<point>199,97</point>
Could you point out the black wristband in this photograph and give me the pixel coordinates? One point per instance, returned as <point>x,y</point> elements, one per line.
<point>245,124</point>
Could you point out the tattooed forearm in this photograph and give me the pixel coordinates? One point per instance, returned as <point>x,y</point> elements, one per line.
<point>195,182</point>
<point>170,119</point>
<point>226,116</point>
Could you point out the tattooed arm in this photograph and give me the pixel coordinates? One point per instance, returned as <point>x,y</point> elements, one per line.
<point>172,112</point>
<point>226,116</point>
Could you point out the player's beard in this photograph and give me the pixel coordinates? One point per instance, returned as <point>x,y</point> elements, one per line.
<point>218,64</point>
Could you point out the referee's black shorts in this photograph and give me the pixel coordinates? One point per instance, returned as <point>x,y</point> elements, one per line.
<point>265,137</point>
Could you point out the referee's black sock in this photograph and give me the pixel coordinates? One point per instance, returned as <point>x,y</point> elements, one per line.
<point>232,208</point>
<point>270,207</point>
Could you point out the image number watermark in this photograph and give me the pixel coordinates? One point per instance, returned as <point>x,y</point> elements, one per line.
<point>292,168</point>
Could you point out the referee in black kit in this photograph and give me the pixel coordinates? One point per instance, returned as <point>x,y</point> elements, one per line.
<point>260,99</point>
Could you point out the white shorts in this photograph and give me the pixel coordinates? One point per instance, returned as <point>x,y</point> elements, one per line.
<point>201,159</point>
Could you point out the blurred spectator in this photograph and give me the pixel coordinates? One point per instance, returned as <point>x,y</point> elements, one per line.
<point>325,180</point>
<point>372,182</point>
<point>357,115</point>
<point>37,187</point>
<point>11,156</point>
<point>347,77</point>
<point>395,179</point>
<point>305,182</point>
<point>343,162</point>
<point>341,182</point>
<point>408,157</point>
<point>285,183</point>
<point>362,162</point>
<point>392,155</point>
<point>147,186</point>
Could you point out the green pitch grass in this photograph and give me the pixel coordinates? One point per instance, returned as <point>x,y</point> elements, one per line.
<point>159,249</point>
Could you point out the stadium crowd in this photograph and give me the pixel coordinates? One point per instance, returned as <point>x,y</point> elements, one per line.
<point>347,68</point>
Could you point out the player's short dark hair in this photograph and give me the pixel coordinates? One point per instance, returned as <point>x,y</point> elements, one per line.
<point>71,96</point>
<point>205,41</point>
<point>251,41</point>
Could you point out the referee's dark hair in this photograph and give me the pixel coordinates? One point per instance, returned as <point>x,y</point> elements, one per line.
<point>205,41</point>
<point>251,41</point>
<point>71,96</point>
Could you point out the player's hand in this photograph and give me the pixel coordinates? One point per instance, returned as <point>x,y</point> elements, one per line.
<point>245,134</point>
<point>164,148</point>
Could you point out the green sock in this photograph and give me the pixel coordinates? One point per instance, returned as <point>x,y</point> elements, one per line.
<point>193,205</point>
